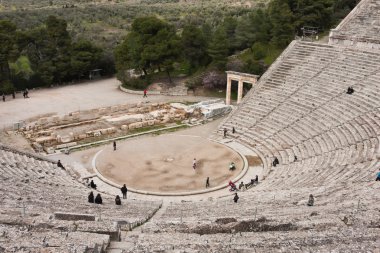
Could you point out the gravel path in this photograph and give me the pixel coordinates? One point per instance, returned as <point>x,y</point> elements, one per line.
<point>84,96</point>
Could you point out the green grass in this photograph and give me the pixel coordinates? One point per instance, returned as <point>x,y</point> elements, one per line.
<point>272,55</point>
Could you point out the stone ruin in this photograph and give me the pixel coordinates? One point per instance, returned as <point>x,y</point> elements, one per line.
<point>62,132</point>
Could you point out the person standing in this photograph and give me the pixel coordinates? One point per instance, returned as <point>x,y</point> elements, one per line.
<point>233,130</point>
<point>145,93</point>
<point>114,145</point>
<point>124,191</point>
<point>194,163</point>
<point>3,98</point>
<point>208,182</point>
<point>225,132</point>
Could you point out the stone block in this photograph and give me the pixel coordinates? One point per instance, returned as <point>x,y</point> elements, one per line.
<point>135,125</point>
<point>124,127</point>
<point>73,216</point>
<point>42,121</point>
<point>55,119</point>
<point>114,108</point>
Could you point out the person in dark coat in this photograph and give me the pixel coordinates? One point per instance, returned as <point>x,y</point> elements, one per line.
<point>233,130</point>
<point>117,200</point>
<point>350,90</point>
<point>59,164</point>
<point>91,197</point>
<point>98,199</point>
<point>114,145</point>
<point>311,200</point>
<point>208,182</point>
<point>236,198</point>
<point>225,132</point>
<point>124,191</point>
<point>275,162</point>
<point>92,184</point>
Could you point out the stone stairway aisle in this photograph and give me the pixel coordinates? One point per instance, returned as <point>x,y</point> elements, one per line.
<point>129,238</point>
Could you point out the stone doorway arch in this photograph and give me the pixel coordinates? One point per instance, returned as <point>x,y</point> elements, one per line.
<point>240,78</point>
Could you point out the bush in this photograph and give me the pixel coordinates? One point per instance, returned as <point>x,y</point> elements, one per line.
<point>214,80</point>
<point>235,65</point>
<point>6,87</point>
<point>259,51</point>
<point>136,83</point>
<point>254,67</point>
<point>194,82</point>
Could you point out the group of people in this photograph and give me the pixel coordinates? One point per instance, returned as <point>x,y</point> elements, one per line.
<point>225,131</point>
<point>98,199</point>
<point>25,94</point>
<point>242,185</point>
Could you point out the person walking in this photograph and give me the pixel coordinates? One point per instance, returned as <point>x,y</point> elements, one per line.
<point>3,98</point>
<point>208,182</point>
<point>145,94</point>
<point>114,145</point>
<point>124,191</point>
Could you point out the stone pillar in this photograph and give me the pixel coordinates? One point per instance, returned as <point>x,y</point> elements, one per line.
<point>228,91</point>
<point>240,91</point>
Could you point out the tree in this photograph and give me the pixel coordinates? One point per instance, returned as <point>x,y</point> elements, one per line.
<point>21,68</point>
<point>218,48</point>
<point>316,13</point>
<point>58,47</point>
<point>194,46</point>
<point>152,44</point>
<point>281,18</point>
<point>85,57</point>
<point>229,26</point>
<point>7,38</point>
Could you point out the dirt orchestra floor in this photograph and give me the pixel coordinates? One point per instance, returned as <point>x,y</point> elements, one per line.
<point>164,163</point>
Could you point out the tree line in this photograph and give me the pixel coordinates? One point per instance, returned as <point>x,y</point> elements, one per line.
<point>154,45</point>
<point>45,55</point>
<point>247,41</point>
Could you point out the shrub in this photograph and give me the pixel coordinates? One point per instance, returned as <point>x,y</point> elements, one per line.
<point>214,80</point>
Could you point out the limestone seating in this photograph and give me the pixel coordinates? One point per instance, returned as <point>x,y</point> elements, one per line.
<point>49,240</point>
<point>34,188</point>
